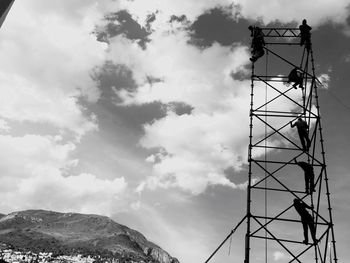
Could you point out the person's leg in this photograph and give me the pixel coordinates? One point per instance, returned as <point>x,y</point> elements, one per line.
<point>261,52</point>
<point>306,238</point>
<point>295,84</point>
<point>308,44</point>
<point>307,140</point>
<point>306,183</point>
<point>312,230</point>
<point>312,182</point>
<point>301,137</point>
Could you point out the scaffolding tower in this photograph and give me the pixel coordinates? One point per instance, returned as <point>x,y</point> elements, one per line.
<point>274,228</point>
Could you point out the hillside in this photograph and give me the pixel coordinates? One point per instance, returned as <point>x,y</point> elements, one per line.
<point>67,233</point>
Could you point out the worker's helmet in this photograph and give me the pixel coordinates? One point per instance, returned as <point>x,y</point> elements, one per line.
<point>304,21</point>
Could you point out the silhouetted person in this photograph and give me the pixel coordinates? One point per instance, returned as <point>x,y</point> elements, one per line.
<point>305,35</point>
<point>308,174</point>
<point>258,43</point>
<point>303,129</point>
<point>306,220</point>
<point>296,76</point>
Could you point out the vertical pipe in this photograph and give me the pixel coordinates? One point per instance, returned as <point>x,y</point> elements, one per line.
<point>247,237</point>
<point>326,179</point>
<point>324,163</point>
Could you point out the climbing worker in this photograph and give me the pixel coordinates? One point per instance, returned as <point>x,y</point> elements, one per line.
<point>306,220</point>
<point>296,76</point>
<point>308,175</point>
<point>305,35</point>
<point>258,43</point>
<point>303,130</point>
<point>251,29</point>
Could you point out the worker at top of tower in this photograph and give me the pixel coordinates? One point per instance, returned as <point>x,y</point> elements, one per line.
<point>258,43</point>
<point>303,130</point>
<point>305,35</point>
<point>308,175</point>
<point>306,220</point>
<point>296,76</point>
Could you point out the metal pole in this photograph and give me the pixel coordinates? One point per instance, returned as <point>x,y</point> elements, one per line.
<point>247,237</point>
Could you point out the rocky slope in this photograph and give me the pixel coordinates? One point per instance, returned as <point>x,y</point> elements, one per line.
<point>67,233</point>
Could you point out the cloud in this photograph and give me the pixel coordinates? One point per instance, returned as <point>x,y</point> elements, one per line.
<point>278,255</point>
<point>316,12</point>
<point>24,100</point>
<point>34,171</point>
<point>141,10</point>
<point>84,193</point>
<point>193,150</point>
<point>325,80</point>
<point>48,52</point>
<point>4,126</point>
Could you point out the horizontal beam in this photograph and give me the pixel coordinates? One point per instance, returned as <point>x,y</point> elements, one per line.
<point>285,112</point>
<point>278,115</point>
<point>275,189</point>
<point>275,147</point>
<point>287,220</point>
<point>282,43</point>
<point>279,239</point>
<point>281,32</point>
<point>279,162</point>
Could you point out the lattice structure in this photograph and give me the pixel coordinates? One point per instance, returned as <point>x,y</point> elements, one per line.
<point>274,228</point>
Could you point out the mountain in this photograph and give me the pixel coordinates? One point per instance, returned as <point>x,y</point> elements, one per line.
<point>67,233</point>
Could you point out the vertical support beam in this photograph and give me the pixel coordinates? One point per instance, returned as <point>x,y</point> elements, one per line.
<point>326,179</point>
<point>331,225</point>
<point>247,237</point>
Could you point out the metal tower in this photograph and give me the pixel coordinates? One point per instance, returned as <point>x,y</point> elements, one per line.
<point>274,227</point>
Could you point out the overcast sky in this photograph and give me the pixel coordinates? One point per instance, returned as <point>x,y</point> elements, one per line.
<point>139,110</point>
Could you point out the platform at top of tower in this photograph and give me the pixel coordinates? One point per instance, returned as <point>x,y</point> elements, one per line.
<point>280,32</point>
<point>281,35</point>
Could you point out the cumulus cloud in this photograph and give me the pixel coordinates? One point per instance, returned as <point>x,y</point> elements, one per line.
<point>192,150</point>
<point>33,175</point>
<point>317,12</point>
<point>140,10</point>
<point>84,192</point>
<point>48,52</point>
<point>23,100</point>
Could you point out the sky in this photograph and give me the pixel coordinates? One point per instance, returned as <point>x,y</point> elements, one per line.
<point>139,110</point>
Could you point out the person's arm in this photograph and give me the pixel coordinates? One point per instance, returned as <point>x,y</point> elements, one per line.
<point>307,206</point>
<point>292,125</point>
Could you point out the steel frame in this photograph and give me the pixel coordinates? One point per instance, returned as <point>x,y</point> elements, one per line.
<point>308,107</point>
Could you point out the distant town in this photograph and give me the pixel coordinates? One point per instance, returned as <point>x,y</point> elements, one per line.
<point>10,255</point>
